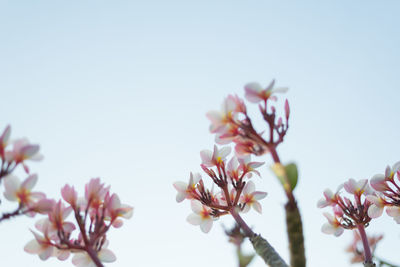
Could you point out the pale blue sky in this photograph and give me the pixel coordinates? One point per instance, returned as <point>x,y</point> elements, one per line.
<point>119,90</point>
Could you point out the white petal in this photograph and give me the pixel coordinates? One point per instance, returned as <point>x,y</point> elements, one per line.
<point>257,206</point>
<point>375,211</point>
<point>107,255</point>
<point>194,219</point>
<point>206,156</point>
<point>11,184</point>
<point>196,205</point>
<point>81,259</point>
<point>259,195</point>
<point>206,225</point>
<point>30,182</point>
<point>33,247</point>
<point>393,211</point>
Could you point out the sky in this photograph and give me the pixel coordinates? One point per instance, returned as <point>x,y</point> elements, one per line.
<point>119,90</point>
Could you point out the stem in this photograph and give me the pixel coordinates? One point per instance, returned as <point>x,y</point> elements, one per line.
<point>367,251</point>
<point>92,253</point>
<point>295,235</point>
<point>294,225</point>
<point>9,215</point>
<point>261,246</point>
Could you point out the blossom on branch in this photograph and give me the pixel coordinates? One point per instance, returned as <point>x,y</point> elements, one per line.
<point>235,192</point>
<point>94,215</point>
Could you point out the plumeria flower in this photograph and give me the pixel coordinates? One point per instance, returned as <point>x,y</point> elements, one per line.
<point>186,190</point>
<point>330,199</point>
<point>44,247</point>
<point>82,259</point>
<point>115,210</point>
<point>388,193</point>
<point>255,93</point>
<point>357,187</point>
<point>213,158</point>
<point>333,226</point>
<point>377,207</point>
<point>23,150</point>
<point>220,119</point>
<point>348,214</point>
<point>202,216</point>
<point>69,194</point>
<point>95,192</point>
<point>248,166</point>
<point>250,197</point>
<point>21,192</point>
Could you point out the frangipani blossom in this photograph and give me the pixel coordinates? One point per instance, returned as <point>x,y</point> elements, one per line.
<point>22,151</point>
<point>95,192</point>
<point>388,193</point>
<point>248,166</point>
<point>220,119</point>
<point>82,259</point>
<point>348,214</point>
<point>213,158</point>
<point>333,226</point>
<point>255,93</point>
<point>186,190</point>
<point>202,216</point>
<point>115,210</point>
<point>357,187</point>
<point>377,207</point>
<point>69,194</point>
<point>21,192</point>
<point>250,197</point>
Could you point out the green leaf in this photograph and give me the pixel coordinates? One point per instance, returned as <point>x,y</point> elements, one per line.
<point>287,175</point>
<point>292,174</point>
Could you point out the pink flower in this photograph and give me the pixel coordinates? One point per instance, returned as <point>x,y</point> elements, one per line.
<point>210,159</point>
<point>333,226</point>
<point>115,209</point>
<point>357,187</point>
<point>255,93</point>
<point>377,206</point>
<point>22,151</point>
<point>220,119</point>
<point>202,216</point>
<point>250,197</point>
<point>186,190</point>
<point>95,192</point>
<point>21,192</point>
<point>69,194</point>
<point>248,166</point>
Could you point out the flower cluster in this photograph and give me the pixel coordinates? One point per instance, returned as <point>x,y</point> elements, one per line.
<point>232,124</point>
<point>356,248</point>
<point>347,214</point>
<point>13,154</point>
<point>94,215</point>
<point>236,191</point>
<point>388,193</point>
